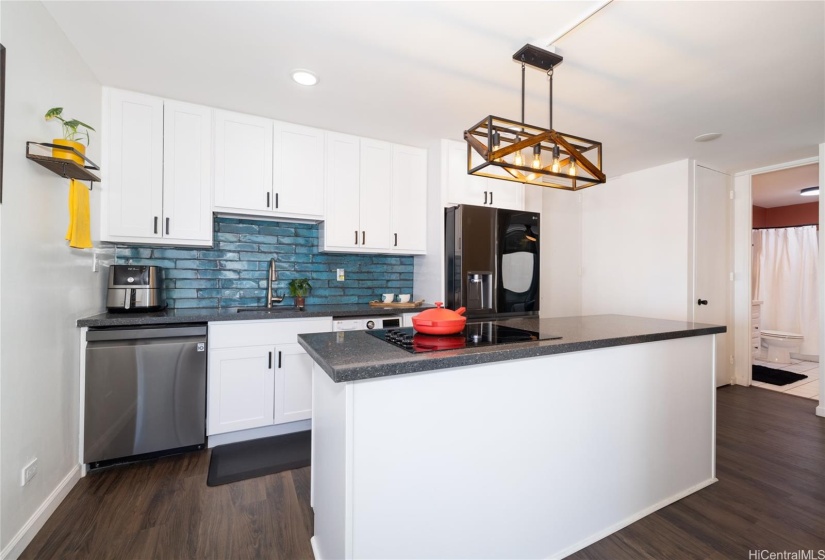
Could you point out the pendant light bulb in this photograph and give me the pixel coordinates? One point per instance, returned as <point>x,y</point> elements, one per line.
<point>556,166</point>
<point>572,170</point>
<point>537,156</point>
<point>519,159</point>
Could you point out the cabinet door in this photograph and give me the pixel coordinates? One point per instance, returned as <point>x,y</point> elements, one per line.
<point>505,194</point>
<point>243,162</point>
<point>134,194</point>
<point>341,192</point>
<point>187,172</point>
<point>241,388</point>
<point>293,384</point>
<point>409,200</point>
<point>461,187</point>
<point>298,170</point>
<point>376,185</point>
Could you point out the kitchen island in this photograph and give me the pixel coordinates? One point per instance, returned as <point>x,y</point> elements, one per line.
<point>528,450</point>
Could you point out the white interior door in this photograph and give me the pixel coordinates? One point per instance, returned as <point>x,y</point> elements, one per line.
<point>711,260</point>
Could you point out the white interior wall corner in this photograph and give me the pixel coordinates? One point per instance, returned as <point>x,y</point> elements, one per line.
<point>39,410</point>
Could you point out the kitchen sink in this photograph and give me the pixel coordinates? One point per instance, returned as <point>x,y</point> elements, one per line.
<point>271,309</point>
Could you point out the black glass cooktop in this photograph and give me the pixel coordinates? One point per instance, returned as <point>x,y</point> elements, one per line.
<point>474,335</point>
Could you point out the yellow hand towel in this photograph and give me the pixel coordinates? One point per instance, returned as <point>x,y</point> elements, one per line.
<point>79,234</point>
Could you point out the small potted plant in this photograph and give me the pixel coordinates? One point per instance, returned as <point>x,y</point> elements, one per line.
<point>71,136</point>
<point>299,288</point>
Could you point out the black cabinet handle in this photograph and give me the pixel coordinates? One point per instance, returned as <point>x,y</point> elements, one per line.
<point>356,237</point>
<point>702,302</point>
<point>491,197</point>
<point>276,200</point>
<point>167,226</point>
<point>279,359</point>
<point>267,200</point>
<point>485,197</point>
<point>363,238</point>
<point>396,240</point>
<point>270,360</point>
<point>156,224</point>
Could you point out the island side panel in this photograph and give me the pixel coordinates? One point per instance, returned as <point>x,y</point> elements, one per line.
<point>331,463</point>
<point>531,458</point>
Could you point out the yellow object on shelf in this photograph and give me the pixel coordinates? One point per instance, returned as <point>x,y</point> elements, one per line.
<point>79,233</point>
<point>63,154</point>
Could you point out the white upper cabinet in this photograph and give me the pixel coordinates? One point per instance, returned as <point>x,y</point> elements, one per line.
<point>342,225</point>
<point>187,172</point>
<point>268,168</point>
<point>157,167</point>
<point>375,184</point>
<point>243,163</point>
<point>408,226</point>
<point>298,173</point>
<point>463,188</point>
<point>376,197</point>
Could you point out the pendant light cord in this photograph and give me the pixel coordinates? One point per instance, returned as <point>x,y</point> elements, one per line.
<point>550,77</point>
<point>522,89</point>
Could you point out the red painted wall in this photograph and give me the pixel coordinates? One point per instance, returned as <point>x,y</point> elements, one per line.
<point>786,216</point>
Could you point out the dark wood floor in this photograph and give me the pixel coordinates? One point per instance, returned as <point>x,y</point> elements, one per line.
<point>770,496</point>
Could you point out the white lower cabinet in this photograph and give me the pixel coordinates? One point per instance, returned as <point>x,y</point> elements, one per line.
<point>258,373</point>
<point>241,388</point>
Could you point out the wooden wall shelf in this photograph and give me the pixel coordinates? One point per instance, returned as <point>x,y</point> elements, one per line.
<point>65,168</point>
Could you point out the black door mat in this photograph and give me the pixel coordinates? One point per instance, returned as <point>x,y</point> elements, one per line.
<point>258,457</point>
<point>775,376</point>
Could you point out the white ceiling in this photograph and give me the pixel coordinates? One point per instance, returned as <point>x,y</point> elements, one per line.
<point>781,188</point>
<point>644,78</point>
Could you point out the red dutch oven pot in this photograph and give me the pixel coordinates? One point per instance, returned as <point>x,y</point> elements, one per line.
<point>439,320</point>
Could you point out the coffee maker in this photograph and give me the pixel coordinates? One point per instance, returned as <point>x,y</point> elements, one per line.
<point>135,288</point>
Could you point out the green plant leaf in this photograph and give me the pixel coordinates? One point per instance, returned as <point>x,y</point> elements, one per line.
<point>54,113</point>
<point>83,124</point>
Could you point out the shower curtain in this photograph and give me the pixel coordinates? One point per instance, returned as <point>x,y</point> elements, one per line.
<point>785,279</point>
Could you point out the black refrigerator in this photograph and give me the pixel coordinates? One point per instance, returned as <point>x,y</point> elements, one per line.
<point>492,261</point>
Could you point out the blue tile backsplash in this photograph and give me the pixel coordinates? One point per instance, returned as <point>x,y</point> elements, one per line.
<point>233,274</point>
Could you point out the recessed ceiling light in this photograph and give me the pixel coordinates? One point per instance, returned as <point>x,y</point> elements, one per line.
<point>304,77</point>
<point>810,191</point>
<point>707,137</point>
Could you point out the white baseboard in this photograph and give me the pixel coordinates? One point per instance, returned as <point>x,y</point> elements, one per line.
<point>256,433</point>
<point>27,533</point>
<point>820,410</point>
<point>314,544</point>
<point>632,519</point>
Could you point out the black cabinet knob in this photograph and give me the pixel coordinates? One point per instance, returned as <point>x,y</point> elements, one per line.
<point>702,302</point>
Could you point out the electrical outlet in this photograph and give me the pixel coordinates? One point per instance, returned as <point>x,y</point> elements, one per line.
<point>29,472</point>
<point>341,275</point>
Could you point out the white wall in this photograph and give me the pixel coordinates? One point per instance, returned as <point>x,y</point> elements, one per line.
<point>45,285</point>
<point>561,253</point>
<point>635,239</point>
<point>820,410</point>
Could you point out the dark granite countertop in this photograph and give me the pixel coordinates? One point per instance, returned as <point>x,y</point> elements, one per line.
<point>206,315</point>
<point>355,355</point>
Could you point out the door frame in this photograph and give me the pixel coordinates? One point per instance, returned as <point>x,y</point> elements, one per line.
<point>743,225</point>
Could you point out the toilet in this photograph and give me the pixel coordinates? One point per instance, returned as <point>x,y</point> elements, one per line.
<point>780,344</point>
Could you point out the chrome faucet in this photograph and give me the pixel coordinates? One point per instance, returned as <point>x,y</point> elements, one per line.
<point>271,277</point>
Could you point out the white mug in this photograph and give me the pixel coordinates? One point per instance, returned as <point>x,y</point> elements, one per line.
<point>403,298</point>
<point>387,298</point>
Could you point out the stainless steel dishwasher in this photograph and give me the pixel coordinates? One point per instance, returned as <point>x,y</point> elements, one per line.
<point>145,393</point>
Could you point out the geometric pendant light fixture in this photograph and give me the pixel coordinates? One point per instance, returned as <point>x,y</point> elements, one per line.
<point>501,148</point>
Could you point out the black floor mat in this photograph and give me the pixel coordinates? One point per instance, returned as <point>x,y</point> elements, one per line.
<point>258,457</point>
<point>775,376</point>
